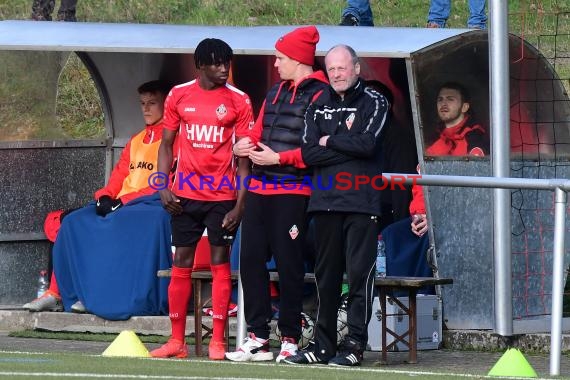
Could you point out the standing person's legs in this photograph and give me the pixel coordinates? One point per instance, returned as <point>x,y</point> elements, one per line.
<point>329,269</point>
<point>438,13</point>
<point>287,234</point>
<point>187,229</point>
<point>361,233</point>
<point>42,10</point>
<point>253,271</point>
<point>254,253</point>
<point>66,10</point>
<point>179,291</point>
<point>219,239</point>
<point>360,10</point>
<point>477,15</point>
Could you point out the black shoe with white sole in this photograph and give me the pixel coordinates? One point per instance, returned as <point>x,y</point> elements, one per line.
<point>350,354</point>
<point>304,357</point>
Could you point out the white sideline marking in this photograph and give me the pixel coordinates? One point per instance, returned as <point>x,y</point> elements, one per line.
<point>369,369</point>
<point>122,376</point>
<point>266,364</point>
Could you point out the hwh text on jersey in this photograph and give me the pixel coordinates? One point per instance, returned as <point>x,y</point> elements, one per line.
<point>205,133</point>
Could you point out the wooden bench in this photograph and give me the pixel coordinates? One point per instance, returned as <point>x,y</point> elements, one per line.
<point>411,285</point>
<point>384,285</point>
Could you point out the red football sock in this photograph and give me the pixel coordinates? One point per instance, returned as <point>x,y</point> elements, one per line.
<point>178,296</point>
<point>53,284</point>
<point>221,291</point>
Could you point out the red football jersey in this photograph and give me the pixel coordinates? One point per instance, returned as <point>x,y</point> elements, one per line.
<point>208,123</point>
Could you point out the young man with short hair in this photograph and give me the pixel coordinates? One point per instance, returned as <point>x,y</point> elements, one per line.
<point>207,114</point>
<point>77,258</point>
<point>459,135</point>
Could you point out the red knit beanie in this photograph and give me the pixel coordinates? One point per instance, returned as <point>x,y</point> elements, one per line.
<point>300,44</point>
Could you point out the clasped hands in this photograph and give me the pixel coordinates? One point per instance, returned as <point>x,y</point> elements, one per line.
<point>259,154</point>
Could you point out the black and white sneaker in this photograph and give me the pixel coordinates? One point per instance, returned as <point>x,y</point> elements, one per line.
<point>350,354</point>
<point>304,357</point>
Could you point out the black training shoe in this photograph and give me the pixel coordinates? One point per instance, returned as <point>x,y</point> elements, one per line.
<point>304,357</point>
<point>349,20</point>
<point>350,354</point>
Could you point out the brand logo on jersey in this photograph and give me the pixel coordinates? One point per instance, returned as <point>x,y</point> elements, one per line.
<point>349,120</point>
<point>141,165</point>
<point>251,124</point>
<point>189,109</point>
<point>294,232</point>
<point>221,111</point>
<point>205,133</point>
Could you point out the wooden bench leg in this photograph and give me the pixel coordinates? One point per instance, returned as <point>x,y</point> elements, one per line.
<point>383,313</point>
<point>227,334</point>
<point>412,326</point>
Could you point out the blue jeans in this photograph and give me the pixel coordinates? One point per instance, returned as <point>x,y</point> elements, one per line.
<point>361,10</point>
<point>439,13</point>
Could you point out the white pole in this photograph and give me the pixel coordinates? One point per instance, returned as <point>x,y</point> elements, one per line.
<point>241,326</point>
<point>500,128</point>
<point>557,282</point>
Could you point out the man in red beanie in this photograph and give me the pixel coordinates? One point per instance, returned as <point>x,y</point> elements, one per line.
<point>275,221</point>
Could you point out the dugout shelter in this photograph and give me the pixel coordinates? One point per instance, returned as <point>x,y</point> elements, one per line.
<point>45,168</point>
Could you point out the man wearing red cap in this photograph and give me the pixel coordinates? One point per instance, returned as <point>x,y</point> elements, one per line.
<point>275,221</point>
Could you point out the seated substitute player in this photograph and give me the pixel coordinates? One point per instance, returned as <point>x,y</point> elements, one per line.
<point>108,229</point>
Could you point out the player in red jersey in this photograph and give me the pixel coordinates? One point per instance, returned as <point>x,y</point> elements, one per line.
<point>208,115</point>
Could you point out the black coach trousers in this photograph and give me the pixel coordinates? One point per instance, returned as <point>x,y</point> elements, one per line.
<point>345,242</point>
<point>273,225</point>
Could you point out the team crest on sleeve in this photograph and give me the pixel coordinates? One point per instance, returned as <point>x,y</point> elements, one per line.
<point>221,111</point>
<point>349,120</point>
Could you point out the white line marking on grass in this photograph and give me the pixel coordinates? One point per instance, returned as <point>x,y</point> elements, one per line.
<point>118,375</point>
<point>267,364</point>
<point>23,352</point>
<point>366,369</point>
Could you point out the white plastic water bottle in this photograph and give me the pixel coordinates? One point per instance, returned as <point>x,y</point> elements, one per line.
<point>43,283</point>
<point>381,258</point>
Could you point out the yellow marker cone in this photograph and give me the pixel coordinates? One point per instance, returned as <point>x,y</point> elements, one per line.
<point>512,363</point>
<point>127,344</point>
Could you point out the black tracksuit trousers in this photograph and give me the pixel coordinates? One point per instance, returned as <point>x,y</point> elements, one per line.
<point>345,241</point>
<point>273,225</point>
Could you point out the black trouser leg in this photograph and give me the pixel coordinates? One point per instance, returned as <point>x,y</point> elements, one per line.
<point>253,269</point>
<point>329,269</point>
<point>361,237</point>
<point>287,221</point>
